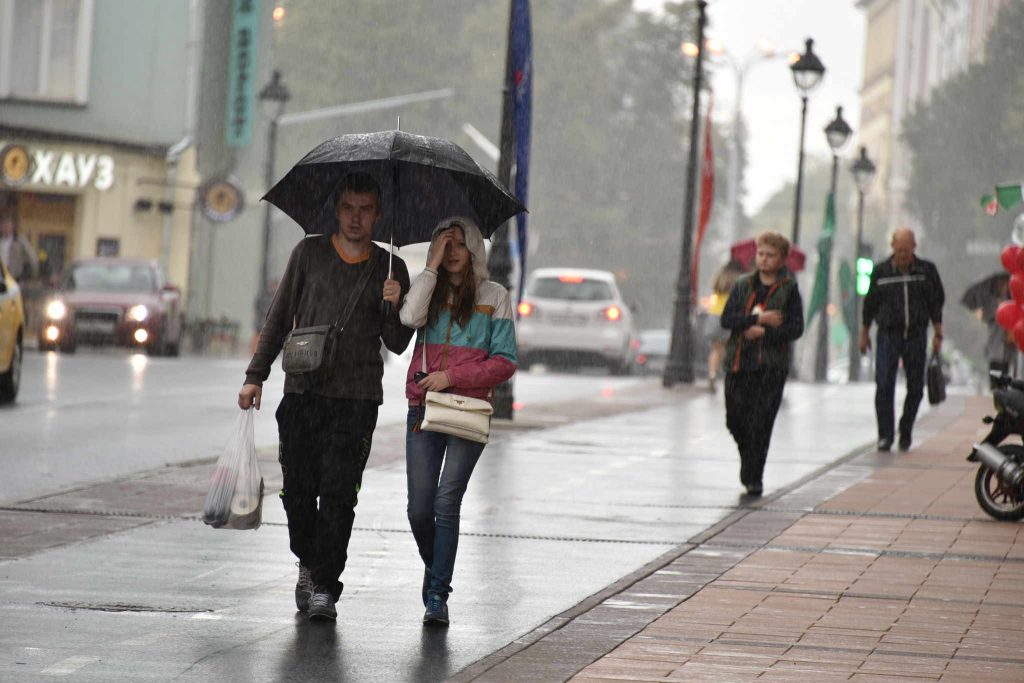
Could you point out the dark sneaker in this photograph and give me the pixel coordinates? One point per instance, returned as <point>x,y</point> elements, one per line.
<point>321,605</point>
<point>885,445</point>
<point>905,442</point>
<point>426,585</point>
<point>755,489</point>
<point>303,589</point>
<point>437,610</point>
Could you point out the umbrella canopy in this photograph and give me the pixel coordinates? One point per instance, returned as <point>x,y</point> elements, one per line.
<point>422,181</point>
<point>745,251</point>
<point>987,293</point>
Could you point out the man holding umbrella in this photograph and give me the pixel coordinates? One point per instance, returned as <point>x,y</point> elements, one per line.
<point>326,425</point>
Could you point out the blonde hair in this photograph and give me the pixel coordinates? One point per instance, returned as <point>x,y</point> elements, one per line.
<point>775,241</point>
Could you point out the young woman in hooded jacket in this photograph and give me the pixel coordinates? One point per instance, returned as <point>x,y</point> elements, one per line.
<point>465,325</point>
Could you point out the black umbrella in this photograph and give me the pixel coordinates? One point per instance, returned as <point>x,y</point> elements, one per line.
<point>987,292</point>
<point>422,181</point>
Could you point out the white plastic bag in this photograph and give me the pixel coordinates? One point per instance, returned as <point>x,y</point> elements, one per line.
<point>235,498</point>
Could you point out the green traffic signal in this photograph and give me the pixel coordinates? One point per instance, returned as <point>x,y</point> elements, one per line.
<point>864,268</point>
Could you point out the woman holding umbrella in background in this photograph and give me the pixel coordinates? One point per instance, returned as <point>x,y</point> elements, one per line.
<point>466,330</point>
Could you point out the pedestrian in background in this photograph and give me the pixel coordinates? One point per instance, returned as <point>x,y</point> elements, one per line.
<point>326,426</point>
<point>721,284</point>
<point>764,315</point>
<point>905,295</point>
<point>16,251</point>
<point>466,329</point>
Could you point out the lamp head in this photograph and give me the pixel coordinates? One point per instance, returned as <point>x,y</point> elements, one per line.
<point>838,131</point>
<point>863,170</point>
<point>808,69</point>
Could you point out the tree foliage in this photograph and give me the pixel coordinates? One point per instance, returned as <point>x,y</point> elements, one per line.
<point>611,103</point>
<point>965,139</point>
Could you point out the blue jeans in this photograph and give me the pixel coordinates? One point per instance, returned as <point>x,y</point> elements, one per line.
<point>438,467</point>
<point>913,350</point>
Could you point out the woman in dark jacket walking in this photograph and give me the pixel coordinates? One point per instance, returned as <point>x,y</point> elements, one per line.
<point>764,315</point>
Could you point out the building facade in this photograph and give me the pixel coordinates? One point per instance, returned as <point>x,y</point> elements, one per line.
<point>96,140</point>
<point>911,47</point>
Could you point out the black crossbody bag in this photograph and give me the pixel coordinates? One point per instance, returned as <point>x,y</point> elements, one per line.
<point>308,349</point>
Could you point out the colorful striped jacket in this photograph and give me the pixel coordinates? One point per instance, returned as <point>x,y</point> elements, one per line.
<point>477,357</point>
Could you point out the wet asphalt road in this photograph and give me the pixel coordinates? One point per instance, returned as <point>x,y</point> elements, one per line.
<point>551,517</point>
<point>104,413</point>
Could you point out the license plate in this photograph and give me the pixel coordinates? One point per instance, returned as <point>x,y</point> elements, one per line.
<point>564,319</point>
<point>95,326</point>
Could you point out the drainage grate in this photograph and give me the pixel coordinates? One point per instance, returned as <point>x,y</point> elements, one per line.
<point>123,607</point>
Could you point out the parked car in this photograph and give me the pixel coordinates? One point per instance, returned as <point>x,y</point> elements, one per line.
<point>126,302</point>
<point>12,335</point>
<point>652,351</point>
<point>572,315</point>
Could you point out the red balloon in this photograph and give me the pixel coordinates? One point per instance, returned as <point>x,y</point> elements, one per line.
<point>1008,315</point>
<point>1020,260</point>
<point>1018,334</point>
<point>1017,285</point>
<point>1009,258</point>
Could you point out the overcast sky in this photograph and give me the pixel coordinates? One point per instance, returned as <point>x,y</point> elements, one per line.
<point>771,105</point>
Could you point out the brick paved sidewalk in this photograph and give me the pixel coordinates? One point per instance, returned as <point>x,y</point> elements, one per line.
<point>881,569</point>
<point>899,577</point>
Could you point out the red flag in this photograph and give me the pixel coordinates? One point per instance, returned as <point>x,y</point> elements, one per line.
<point>707,195</point>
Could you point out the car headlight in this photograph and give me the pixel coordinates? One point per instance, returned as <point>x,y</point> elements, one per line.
<point>138,313</point>
<point>56,310</point>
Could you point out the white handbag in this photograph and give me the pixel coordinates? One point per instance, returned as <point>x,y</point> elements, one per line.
<point>462,416</point>
<point>469,418</point>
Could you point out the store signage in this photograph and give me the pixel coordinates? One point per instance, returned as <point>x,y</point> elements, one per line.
<point>50,168</point>
<point>241,72</point>
<point>221,200</point>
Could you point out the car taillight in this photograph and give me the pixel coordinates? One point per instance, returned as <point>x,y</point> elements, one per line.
<point>612,313</point>
<point>525,309</point>
<point>641,359</point>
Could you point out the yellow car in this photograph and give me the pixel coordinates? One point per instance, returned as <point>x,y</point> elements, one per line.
<point>12,333</point>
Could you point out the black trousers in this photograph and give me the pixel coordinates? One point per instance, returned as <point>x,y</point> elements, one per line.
<point>752,401</point>
<point>913,351</point>
<point>325,443</point>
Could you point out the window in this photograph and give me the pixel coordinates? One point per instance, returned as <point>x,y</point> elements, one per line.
<point>44,49</point>
<point>576,289</point>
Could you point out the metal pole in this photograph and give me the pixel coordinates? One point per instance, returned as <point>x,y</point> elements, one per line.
<point>799,174</point>
<point>498,263</point>
<point>734,160</point>
<point>680,365</point>
<point>269,182</point>
<point>855,323</point>
<point>821,357</point>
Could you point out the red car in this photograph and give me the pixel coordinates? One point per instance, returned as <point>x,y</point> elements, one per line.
<point>126,302</point>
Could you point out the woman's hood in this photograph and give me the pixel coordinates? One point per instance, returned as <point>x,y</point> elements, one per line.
<point>474,242</point>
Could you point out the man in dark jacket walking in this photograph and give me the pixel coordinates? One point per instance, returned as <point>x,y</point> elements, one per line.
<point>905,295</point>
<point>326,426</point>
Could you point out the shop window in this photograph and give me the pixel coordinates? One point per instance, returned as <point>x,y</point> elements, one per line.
<point>108,246</point>
<point>44,49</point>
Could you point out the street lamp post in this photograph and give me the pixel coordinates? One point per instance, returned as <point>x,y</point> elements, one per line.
<point>837,132</point>
<point>863,170</point>
<point>807,73</point>
<point>764,52</point>
<point>680,364</point>
<point>275,91</point>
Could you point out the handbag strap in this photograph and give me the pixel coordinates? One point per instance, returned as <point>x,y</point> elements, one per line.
<point>364,278</point>
<point>447,343</point>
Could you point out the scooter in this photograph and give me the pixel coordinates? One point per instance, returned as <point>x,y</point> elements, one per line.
<point>999,484</point>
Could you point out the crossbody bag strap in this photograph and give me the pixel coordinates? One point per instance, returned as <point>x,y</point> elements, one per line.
<point>364,278</point>
<point>447,342</point>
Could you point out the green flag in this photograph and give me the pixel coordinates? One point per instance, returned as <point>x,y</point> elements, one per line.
<point>990,204</point>
<point>819,292</point>
<point>1008,195</point>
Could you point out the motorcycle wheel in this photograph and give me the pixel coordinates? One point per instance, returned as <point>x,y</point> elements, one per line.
<point>995,498</point>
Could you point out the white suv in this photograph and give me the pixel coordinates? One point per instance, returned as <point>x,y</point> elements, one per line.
<point>572,314</point>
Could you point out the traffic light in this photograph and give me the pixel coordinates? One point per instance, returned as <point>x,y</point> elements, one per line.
<point>864,267</point>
